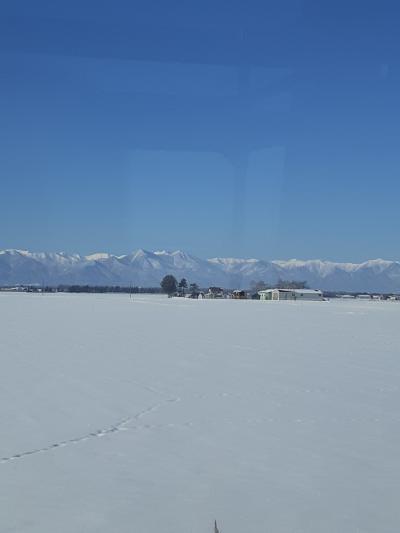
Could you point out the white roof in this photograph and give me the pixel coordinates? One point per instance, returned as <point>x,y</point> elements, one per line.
<point>302,291</point>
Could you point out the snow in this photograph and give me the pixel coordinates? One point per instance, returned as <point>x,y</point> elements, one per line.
<point>98,256</point>
<point>301,291</point>
<point>160,415</point>
<point>232,261</point>
<point>146,268</point>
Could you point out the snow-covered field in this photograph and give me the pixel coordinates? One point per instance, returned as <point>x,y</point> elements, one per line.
<point>157,415</point>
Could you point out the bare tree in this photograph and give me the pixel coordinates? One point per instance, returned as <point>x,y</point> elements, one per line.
<point>216,530</point>
<point>291,284</point>
<point>256,286</point>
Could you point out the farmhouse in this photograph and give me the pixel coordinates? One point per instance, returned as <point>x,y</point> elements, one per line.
<point>239,295</point>
<point>291,294</point>
<point>214,292</point>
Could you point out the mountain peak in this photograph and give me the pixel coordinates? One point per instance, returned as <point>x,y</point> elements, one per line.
<point>145,268</point>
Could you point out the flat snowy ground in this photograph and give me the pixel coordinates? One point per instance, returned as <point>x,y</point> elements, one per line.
<point>157,415</point>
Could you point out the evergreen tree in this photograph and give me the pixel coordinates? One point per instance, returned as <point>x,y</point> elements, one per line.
<point>183,284</point>
<point>169,284</point>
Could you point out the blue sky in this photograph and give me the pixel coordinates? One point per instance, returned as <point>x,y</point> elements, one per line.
<point>266,129</point>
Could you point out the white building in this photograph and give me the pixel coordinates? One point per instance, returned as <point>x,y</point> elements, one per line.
<point>291,294</point>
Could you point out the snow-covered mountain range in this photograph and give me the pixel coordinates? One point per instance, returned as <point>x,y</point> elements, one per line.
<point>144,268</point>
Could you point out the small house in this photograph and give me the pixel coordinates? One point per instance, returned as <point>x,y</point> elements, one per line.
<point>239,295</point>
<point>215,292</point>
<point>291,294</point>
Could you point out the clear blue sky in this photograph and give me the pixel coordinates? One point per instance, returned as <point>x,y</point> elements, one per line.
<point>266,129</point>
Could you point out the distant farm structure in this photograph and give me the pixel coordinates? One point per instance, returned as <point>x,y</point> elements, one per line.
<point>214,293</point>
<point>239,294</point>
<point>291,294</point>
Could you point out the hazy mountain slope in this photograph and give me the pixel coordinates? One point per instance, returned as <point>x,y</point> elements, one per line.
<point>145,268</point>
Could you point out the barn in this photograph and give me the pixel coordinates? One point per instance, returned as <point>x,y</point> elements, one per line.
<point>291,294</point>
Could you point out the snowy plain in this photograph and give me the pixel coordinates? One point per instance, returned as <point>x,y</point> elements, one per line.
<point>159,415</point>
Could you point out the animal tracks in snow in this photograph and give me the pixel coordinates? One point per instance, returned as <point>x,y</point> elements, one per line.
<point>122,425</point>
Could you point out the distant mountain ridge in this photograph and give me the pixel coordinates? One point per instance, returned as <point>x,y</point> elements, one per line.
<point>145,268</point>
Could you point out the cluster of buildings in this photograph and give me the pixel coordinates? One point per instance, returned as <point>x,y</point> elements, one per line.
<point>21,288</point>
<point>267,294</point>
<point>278,294</point>
<point>390,297</point>
<point>273,294</point>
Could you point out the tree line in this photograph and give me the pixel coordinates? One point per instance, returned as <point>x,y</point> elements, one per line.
<point>256,286</point>
<point>169,284</point>
<point>95,289</point>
